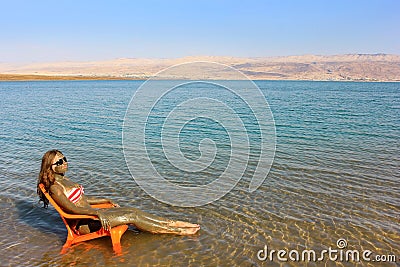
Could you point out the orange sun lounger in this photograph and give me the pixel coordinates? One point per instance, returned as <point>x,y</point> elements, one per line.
<point>75,237</point>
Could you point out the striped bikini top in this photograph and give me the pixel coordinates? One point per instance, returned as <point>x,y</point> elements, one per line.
<point>75,194</point>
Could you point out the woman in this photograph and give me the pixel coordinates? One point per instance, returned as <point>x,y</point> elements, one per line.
<point>70,197</point>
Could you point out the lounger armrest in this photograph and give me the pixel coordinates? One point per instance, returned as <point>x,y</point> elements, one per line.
<point>103,205</point>
<point>79,216</point>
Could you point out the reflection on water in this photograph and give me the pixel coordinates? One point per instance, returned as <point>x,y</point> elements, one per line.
<point>335,175</point>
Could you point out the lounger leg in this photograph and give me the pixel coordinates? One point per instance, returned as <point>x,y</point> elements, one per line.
<point>116,234</point>
<point>66,246</point>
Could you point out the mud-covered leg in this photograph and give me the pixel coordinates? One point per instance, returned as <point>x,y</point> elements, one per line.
<point>148,222</point>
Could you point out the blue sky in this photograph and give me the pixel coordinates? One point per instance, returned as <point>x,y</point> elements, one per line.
<point>43,31</point>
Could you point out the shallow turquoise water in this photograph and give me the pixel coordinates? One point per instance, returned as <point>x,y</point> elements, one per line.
<point>335,174</point>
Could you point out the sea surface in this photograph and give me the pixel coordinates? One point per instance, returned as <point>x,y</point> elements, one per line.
<point>334,182</point>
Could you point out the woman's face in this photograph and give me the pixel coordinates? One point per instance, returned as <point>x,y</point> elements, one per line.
<point>59,164</point>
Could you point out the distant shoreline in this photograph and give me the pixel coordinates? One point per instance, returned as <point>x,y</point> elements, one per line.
<point>348,67</point>
<point>39,77</point>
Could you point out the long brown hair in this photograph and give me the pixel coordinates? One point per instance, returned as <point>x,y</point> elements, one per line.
<point>46,175</point>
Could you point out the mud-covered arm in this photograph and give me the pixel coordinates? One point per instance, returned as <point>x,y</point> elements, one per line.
<point>59,197</point>
<point>68,206</point>
<point>95,200</point>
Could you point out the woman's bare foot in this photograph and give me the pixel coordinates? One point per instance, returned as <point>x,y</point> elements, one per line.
<point>179,230</point>
<point>181,224</point>
<point>189,231</point>
<point>185,228</point>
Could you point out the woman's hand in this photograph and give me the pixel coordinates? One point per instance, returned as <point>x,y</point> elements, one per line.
<point>104,220</point>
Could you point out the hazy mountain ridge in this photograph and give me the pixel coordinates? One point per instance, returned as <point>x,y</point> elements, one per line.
<point>364,67</point>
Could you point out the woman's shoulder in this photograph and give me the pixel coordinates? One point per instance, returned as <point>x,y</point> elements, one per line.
<point>56,187</point>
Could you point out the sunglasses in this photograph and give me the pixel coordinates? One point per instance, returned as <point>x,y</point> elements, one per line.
<point>60,162</point>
